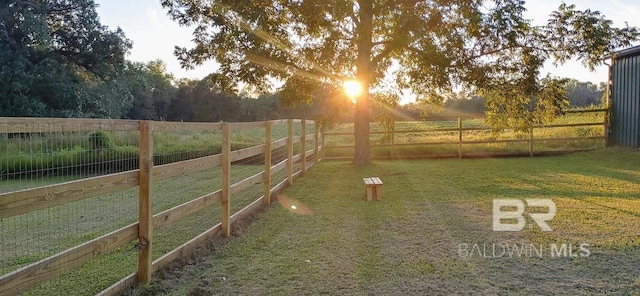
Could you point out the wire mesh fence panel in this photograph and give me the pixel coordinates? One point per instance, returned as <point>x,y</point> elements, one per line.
<point>69,192</point>
<point>62,185</point>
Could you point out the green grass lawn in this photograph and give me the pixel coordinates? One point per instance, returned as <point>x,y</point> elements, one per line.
<point>409,243</point>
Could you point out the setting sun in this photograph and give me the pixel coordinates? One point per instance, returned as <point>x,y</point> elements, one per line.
<point>352,88</point>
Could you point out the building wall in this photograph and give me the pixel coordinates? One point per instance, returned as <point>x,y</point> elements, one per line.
<point>625,101</point>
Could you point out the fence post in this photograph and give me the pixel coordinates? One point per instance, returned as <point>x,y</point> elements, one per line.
<point>303,147</point>
<point>531,141</point>
<point>267,163</point>
<point>459,137</point>
<point>606,128</point>
<point>315,143</point>
<point>393,138</point>
<point>145,213</point>
<point>290,153</point>
<point>226,179</point>
<point>324,150</point>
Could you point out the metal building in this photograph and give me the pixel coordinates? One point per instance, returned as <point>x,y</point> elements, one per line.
<point>625,98</point>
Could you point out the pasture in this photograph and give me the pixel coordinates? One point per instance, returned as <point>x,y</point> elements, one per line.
<point>410,243</point>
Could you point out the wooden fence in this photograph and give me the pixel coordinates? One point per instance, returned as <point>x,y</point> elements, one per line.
<point>44,197</point>
<point>392,145</point>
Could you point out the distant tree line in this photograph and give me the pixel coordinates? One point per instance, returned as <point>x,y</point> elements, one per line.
<point>578,94</point>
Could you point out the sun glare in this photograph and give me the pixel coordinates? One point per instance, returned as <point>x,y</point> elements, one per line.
<point>352,88</point>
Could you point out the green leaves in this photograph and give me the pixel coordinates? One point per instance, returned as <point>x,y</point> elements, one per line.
<point>584,34</point>
<point>486,47</point>
<point>58,60</point>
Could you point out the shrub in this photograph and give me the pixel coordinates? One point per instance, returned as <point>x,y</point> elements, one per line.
<point>99,140</point>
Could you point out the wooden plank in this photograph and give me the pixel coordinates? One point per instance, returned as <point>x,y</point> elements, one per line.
<point>279,166</point>
<point>415,131</point>
<point>234,126</point>
<point>267,164</point>
<point>246,152</point>
<point>187,166</point>
<point>166,126</point>
<point>33,274</point>
<point>432,130</point>
<point>290,153</point>
<point>278,122</point>
<point>569,125</point>
<point>119,286</point>
<point>145,211</point>
<point>296,139</point>
<point>24,201</point>
<point>496,141</point>
<point>252,207</point>
<point>338,133</point>
<point>569,139</point>
<point>309,153</point>
<point>378,191</point>
<point>483,128</point>
<point>587,110</point>
<point>279,186</point>
<point>226,179</point>
<point>303,146</point>
<point>38,125</point>
<point>279,143</point>
<point>188,247</point>
<point>310,164</point>
<point>255,179</point>
<point>180,211</point>
<point>296,158</point>
<point>340,146</point>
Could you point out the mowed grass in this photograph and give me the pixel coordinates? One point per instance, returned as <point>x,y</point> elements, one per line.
<point>410,243</point>
<point>34,236</point>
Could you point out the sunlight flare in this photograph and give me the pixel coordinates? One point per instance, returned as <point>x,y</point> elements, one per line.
<point>352,88</point>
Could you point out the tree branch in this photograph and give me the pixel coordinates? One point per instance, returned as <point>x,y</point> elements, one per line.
<point>384,53</point>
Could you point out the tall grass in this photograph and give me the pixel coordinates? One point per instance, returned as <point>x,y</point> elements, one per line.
<point>89,153</point>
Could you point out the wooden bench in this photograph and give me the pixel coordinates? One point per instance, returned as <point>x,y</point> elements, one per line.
<point>373,188</point>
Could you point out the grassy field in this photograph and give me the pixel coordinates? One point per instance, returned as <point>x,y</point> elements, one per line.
<point>39,156</point>
<point>452,136</point>
<point>410,243</point>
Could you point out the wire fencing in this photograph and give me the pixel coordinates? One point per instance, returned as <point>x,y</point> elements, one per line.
<point>79,204</point>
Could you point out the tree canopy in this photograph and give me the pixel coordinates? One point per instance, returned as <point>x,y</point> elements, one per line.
<point>428,46</point>
<point>58,60</point>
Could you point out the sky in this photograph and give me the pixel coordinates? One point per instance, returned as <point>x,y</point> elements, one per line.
<point>155,35</point>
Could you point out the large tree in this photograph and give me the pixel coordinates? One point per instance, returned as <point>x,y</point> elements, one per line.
<point>57,59</point>
<point>429,46</point>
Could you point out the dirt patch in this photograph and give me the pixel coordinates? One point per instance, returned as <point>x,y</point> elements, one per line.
<point>186,269</point>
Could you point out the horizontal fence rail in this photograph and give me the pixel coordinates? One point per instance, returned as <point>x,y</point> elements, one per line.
<point>406,141</point>
<point>49,166</point>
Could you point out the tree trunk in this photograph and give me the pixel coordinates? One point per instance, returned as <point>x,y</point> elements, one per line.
<point>362,154</point>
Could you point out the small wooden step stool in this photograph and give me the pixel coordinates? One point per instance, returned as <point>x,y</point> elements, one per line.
<point>373,188</point>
